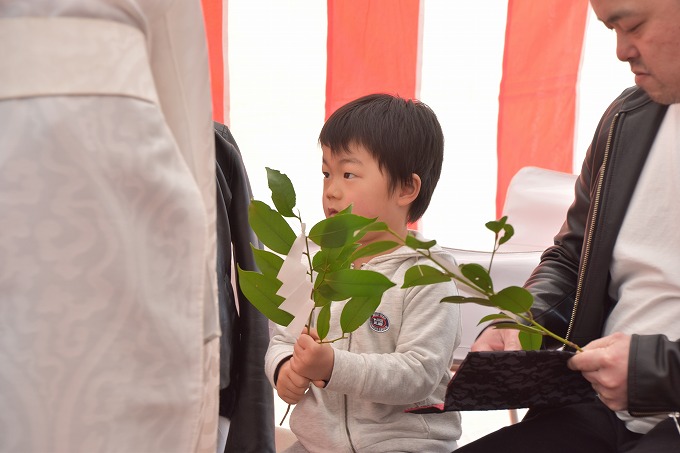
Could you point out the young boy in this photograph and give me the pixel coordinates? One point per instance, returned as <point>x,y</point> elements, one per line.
<point>383,155</point>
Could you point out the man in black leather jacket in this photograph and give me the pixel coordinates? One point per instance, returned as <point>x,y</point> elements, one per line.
<point>611,281</point>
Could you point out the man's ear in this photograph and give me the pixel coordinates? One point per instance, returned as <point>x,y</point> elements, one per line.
<point>409,191</point>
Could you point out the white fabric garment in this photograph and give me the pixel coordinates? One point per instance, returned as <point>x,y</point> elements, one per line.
<point>645,272</point>
<point>108,334</point>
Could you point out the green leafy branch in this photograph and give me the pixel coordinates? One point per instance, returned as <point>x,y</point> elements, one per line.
<point>334,279</point>
<point>330,269</point>
<point>514,302</point>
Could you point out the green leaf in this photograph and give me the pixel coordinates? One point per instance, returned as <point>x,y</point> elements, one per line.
<point>417,244</point>
<point>517,326</point>
<point>339,258</point>
<point>347,210</point>
<point>530,341</point>
<point>333,259</point>
<point>260,290</point>
<point>501,225</point>
<point>357,283</point>
<point>513,299</point>
<point>478,276</point>
<point>321,262</point>
<point>326,292</point>
<point>319,299</point>
<point>422,274</point>
<point>494,317</point>
<point>373,249</point>
<point>375,226</point>
<point>337,231</point>
<point>270,227</point>
<point>342,257</point>
<point>468,300</point>
<point>283,193</point>
<point>323,321</point>
<point>529,337</point>
<point>497,225</point>
<point>267,262</point>
<point>356,311</point>
<point>509,232</point>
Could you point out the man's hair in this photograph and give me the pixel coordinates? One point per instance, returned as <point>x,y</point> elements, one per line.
<point>404,136</point>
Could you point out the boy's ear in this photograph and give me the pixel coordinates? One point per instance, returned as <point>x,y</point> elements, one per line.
<point>409,191</point>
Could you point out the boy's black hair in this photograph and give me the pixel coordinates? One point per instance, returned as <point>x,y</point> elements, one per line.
<point>404,136</point>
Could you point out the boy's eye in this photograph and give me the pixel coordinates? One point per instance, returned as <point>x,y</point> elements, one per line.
<point>326,175</point>
<point>348,175</point>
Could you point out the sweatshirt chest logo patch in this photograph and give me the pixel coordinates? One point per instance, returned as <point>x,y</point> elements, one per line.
<point>379,322</point>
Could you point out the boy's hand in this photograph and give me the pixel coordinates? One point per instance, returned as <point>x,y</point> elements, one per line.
<point>312,360</point>
<point>290,386</point>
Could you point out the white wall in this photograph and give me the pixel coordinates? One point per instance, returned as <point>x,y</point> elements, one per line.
<point>277,70</point>
<point>461,72</point>
<point>277,66</point>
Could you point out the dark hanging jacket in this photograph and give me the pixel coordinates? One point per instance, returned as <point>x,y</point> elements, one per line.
<point>246,397</point>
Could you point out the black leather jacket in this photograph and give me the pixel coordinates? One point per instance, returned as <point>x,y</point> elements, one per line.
<point>246,396</point>
<point>570,285</point>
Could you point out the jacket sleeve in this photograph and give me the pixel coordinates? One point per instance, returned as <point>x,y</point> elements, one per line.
<point>252,419</point>
<point>280,349</point>
<point>653,375</point>
<point>554,281</point>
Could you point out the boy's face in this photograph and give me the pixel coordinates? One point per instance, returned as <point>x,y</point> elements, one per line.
<point>355,178</point>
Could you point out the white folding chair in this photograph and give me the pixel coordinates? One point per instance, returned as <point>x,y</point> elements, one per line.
<point>536,204</point>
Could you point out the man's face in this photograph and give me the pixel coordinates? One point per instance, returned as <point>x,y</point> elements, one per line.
<point>648,38</point>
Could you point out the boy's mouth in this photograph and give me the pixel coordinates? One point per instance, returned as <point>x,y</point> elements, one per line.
<point>332,212</point>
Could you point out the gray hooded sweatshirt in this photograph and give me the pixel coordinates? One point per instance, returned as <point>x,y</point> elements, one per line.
<point>398,359</point>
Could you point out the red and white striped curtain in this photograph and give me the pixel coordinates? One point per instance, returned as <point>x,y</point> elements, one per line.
<point>404,47</point>
<point>537,100</point>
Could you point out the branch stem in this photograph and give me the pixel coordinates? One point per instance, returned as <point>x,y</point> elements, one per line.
<point>528,318</point>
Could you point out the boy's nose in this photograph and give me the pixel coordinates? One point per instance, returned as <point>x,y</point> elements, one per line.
<point>332,190</point>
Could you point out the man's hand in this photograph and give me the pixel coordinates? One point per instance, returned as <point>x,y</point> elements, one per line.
<point>290,386</point>
<point>492,339</point>
<point>312,360</point>
<point>604,363</point>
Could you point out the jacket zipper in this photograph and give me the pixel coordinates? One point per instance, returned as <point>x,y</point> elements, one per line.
<point>349,436</point>
<point>591,228</point>
<point>586,254</point>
